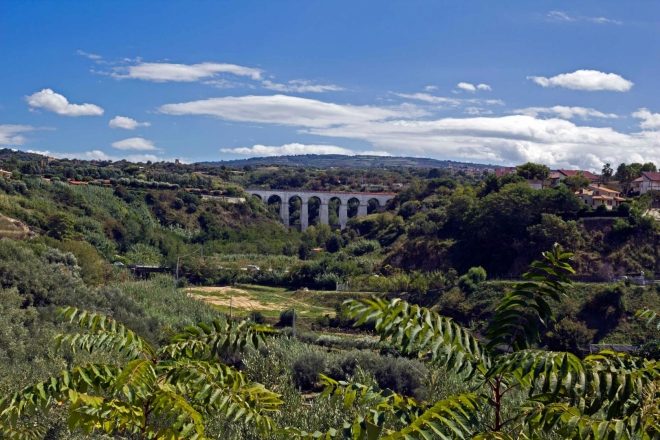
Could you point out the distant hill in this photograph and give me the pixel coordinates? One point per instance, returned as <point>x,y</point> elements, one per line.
<point>8,154</point>
<point>344,161</point>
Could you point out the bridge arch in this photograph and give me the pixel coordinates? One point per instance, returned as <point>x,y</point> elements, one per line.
<point>344,205</point>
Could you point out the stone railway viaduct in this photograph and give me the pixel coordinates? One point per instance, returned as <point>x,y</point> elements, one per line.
<point>325,197</point>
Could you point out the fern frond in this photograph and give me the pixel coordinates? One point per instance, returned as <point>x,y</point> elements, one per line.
<point>136,380</point>
<point>456,416</point>
<point>56,390</point>
<point>222,389</point>
<point>22,433</point>
<point>649,315</point>
<point>380,401</point>
<point>546,372</point>
<point>104,334</point>
<point>570,423</point>
<point>417,330</point>
<point>517,318</point>
<point>219,337</point>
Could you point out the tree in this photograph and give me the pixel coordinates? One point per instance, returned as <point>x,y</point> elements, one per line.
<point>606,173</point>
<point>334,244</point>
<point>60,226</point>
<point>625,174</point>
<point>533,171</point>
<point>649,167</point>
<point>603,396</point>
<point>577,181</point>
<point>158,394</point>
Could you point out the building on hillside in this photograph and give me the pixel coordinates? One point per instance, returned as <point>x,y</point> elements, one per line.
<point>562,174</point>
<point>6,174</point>
<point>503,171</point>
<point>595,196</point>
<point>650,182</point>
<point>636,185</point>
<point>540,184</point>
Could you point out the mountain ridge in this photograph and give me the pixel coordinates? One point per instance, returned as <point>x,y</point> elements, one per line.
<point>346,161</point>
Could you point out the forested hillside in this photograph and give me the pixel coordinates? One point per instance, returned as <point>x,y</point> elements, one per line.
<point>274,331</point>
<point>343,161</point>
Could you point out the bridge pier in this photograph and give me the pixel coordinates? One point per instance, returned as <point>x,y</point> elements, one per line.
<point>343,215</point>
<point>284,211</point>
<point>362,209</point>
<point>304,216</point>
<point>323,213</point>
<point>324,196</point>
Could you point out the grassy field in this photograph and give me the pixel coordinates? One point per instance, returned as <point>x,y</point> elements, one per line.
<point>270,301</point>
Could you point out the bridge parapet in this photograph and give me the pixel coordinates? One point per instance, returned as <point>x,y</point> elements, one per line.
<point>325,197</point>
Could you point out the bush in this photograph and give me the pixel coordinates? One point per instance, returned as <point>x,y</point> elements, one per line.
<point>468,282</point>
<point>178,203</point>
<point>569,335</point>
<point>362,247</point>
<point>286,318</point>
<point>306,370</point>
<point>334,243</point>
<point>257,317</point>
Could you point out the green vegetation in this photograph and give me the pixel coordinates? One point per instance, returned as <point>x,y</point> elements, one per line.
<point>434,338</point>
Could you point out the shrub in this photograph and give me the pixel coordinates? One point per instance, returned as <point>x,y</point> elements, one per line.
<point>472,278</point>
<point>257,317</point>
<point>569,335</point>
<point>306,370</point>
<point>362,247</point>
<point>286,318</point>
<point>178,203</point>
<point>334,243</point>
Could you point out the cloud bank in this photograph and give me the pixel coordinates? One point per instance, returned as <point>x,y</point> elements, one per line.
<point>301,86</point>
<point>56,103</point>
<point>163,72</point>
<point>297,149</point>
<point>126,123</point>
<point>136,143</point>
<point>589,80</point>
<point>566,112</point>
<point>11,134</point>
<point>287,110</point>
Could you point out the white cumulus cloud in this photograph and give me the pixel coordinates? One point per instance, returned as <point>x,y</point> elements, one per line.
<point>603,20</point>
<point>91,56</point>
<point>300,86</point>
<point>559,16</point>
<point>430,88</point>
<point>287,110</point>
<point>11,134</point>
<point>471,87</point>
<point>478,111</point>
<point>56,103</point>
<point>162,72</point>
<point>136,143</point>
<point>126,123</point>
<point>430,98</point>
<point>466,86</point>
<point>566,112</point>
<point>649,120</point>
<point>297,149</point>
<point>506,140</point>
<point>589,80</point>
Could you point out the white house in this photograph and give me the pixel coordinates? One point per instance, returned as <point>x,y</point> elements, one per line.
<point>650,182</point>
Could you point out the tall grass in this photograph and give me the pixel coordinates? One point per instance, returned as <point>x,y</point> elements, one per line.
<point>159,298</point>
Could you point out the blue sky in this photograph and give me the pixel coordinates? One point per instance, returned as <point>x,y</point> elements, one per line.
<point>569,84</point>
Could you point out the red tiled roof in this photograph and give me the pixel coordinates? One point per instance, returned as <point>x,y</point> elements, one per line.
<point>651,176</point>
<point>639,179</point>
<point>587,174</point>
